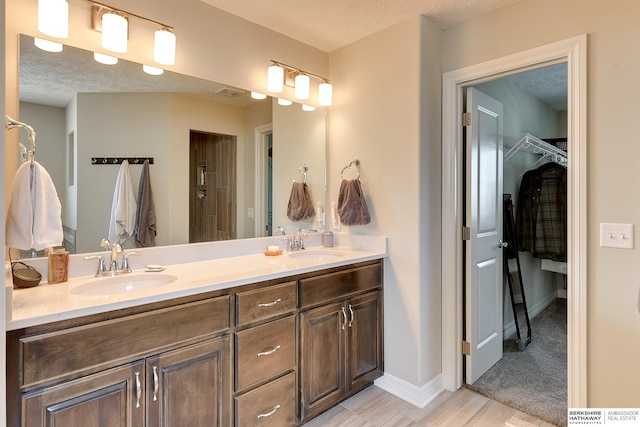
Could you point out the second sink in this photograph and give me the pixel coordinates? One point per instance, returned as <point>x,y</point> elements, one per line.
<point>122,284</point>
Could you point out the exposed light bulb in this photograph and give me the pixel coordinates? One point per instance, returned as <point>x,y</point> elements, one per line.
<point>325,94</point>
<point>47,45</point>
<point>115,32</point>
<point>302,83</point>
<point>164,47</point>
<point>53,18</point>
<point>275,78</point>
<point>105,59</point>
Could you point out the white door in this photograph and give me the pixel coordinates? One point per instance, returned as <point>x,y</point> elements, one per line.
<point>483,253</point>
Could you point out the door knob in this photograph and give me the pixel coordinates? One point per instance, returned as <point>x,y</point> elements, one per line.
<point>502,244</point>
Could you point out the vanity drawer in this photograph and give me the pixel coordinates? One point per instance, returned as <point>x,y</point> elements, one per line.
<point>265,351</point>
<point>329,287</point>
<point>100,345</point>
<point>260,304</point>
<point>273,404</point>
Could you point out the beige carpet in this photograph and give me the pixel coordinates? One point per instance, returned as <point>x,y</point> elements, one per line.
<point>535,380</point>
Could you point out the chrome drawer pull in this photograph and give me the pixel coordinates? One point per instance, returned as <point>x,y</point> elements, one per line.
<point>268,352</point>
<point>270,304</point>
<point>344,313</point>
<point>155,383</point>
<point>138,389</point>
<point>352,316</point>
<point>271,412</point>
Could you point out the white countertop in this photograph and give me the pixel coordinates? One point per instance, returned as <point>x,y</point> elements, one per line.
<point>47,303</point>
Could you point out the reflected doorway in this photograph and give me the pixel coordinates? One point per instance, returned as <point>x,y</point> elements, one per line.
<point>212,187</point>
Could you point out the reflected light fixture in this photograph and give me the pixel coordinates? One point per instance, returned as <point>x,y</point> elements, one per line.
<point>279,75</point>
<point>105,59</point>
<point>258,95</point>
<point>164,47</point>
<point>53,18</point>
<point>301,86</point>
<point>306,107</point>
<point>115,32</point>
<point>275,78</point>
<point>154,71</point>
<point>285,102</point>
<point>47,45</point>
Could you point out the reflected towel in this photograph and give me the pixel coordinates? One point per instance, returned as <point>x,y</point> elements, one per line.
<point>352,207</point>
<point>300,206</point>
<point>34,218</point>
<point>123,209</point>
<point>145,234</point>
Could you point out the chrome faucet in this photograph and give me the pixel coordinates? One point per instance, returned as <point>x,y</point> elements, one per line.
<point>113,265</point>
<point>295,242</point>
<point>114,268</point>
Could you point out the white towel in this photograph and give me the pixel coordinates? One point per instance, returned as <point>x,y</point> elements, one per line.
<point>34,219</point>
<point>123,208</point>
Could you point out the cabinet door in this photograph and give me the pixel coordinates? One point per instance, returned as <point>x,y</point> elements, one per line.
<point>113,398</point>
<point>364,338</point>
<point>323,379</point>
<point>190,386</point>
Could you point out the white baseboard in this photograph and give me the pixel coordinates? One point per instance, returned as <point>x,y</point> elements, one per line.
<point>417,396</point>
<point>510,328</point>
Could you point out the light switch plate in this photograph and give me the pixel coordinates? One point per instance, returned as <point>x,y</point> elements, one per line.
<point>616,235</point>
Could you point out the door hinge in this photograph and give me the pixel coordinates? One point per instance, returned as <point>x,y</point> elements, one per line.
<point>466,119</point>
<point>466,348</point>
<point>466,233</point>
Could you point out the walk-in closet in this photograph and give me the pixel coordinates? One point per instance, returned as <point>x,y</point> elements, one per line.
<point>532,373</point>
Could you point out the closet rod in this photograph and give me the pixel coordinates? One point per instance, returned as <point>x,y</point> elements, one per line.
<point>531,144</point>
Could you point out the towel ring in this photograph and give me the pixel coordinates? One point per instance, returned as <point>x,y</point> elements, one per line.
<point>303,170</point>
<point>355,162</point>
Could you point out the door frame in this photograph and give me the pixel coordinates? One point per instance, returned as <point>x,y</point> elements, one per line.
<point>260,200</point>
<point>574,52</point>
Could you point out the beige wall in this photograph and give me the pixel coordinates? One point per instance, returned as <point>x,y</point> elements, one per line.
<point>613,65</point>
<point>387,114</point>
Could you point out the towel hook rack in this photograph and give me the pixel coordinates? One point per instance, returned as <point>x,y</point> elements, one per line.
<point>12,123</point>
<point>303,170</point>
<point>352,163</point>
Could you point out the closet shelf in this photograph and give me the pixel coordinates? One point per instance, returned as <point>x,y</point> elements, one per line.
<point>531,144</point>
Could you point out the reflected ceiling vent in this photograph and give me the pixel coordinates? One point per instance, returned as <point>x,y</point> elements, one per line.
<point>230,91</point>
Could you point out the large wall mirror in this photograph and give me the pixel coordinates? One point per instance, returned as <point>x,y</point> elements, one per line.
<point>82,109</point>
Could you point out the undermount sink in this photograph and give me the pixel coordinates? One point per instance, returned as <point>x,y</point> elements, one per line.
<point>122,284</point>
<point>316,254</point>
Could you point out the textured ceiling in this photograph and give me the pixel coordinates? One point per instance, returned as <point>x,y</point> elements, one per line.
<point>332,24</point>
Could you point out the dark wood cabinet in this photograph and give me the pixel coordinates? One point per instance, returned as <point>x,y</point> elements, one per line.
<point>341,351</point>
<point>274,353</point>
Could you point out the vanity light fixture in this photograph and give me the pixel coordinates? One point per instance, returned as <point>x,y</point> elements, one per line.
<point>164,47</point>
<point>47,45</point>
<point>53,18</point>
<point>258,95</point>
<point>285,102</point>
<point>105,59</point>
<point>154,71</point>
<point>275,78</point>
<point>279,75</point>
<point>114,24</point>
<point>306,107</point>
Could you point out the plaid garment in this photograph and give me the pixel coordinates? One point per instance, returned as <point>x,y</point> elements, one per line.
<point>541,215</point>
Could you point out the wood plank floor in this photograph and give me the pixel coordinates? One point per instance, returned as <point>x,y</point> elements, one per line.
<point>375,407</point>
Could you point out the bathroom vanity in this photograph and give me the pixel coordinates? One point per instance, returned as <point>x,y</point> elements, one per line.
<point>251,348</point>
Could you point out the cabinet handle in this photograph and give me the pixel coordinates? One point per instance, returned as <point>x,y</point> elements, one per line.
<point>352,316</point>
<point>271,412</point>
<point>270,304</point>
<point>155,383</point>
<point>138,389</point>
<point>344,313</point>
<point>268,352</point>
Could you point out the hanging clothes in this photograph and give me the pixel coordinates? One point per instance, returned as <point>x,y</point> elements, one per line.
<point>541,214</point>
